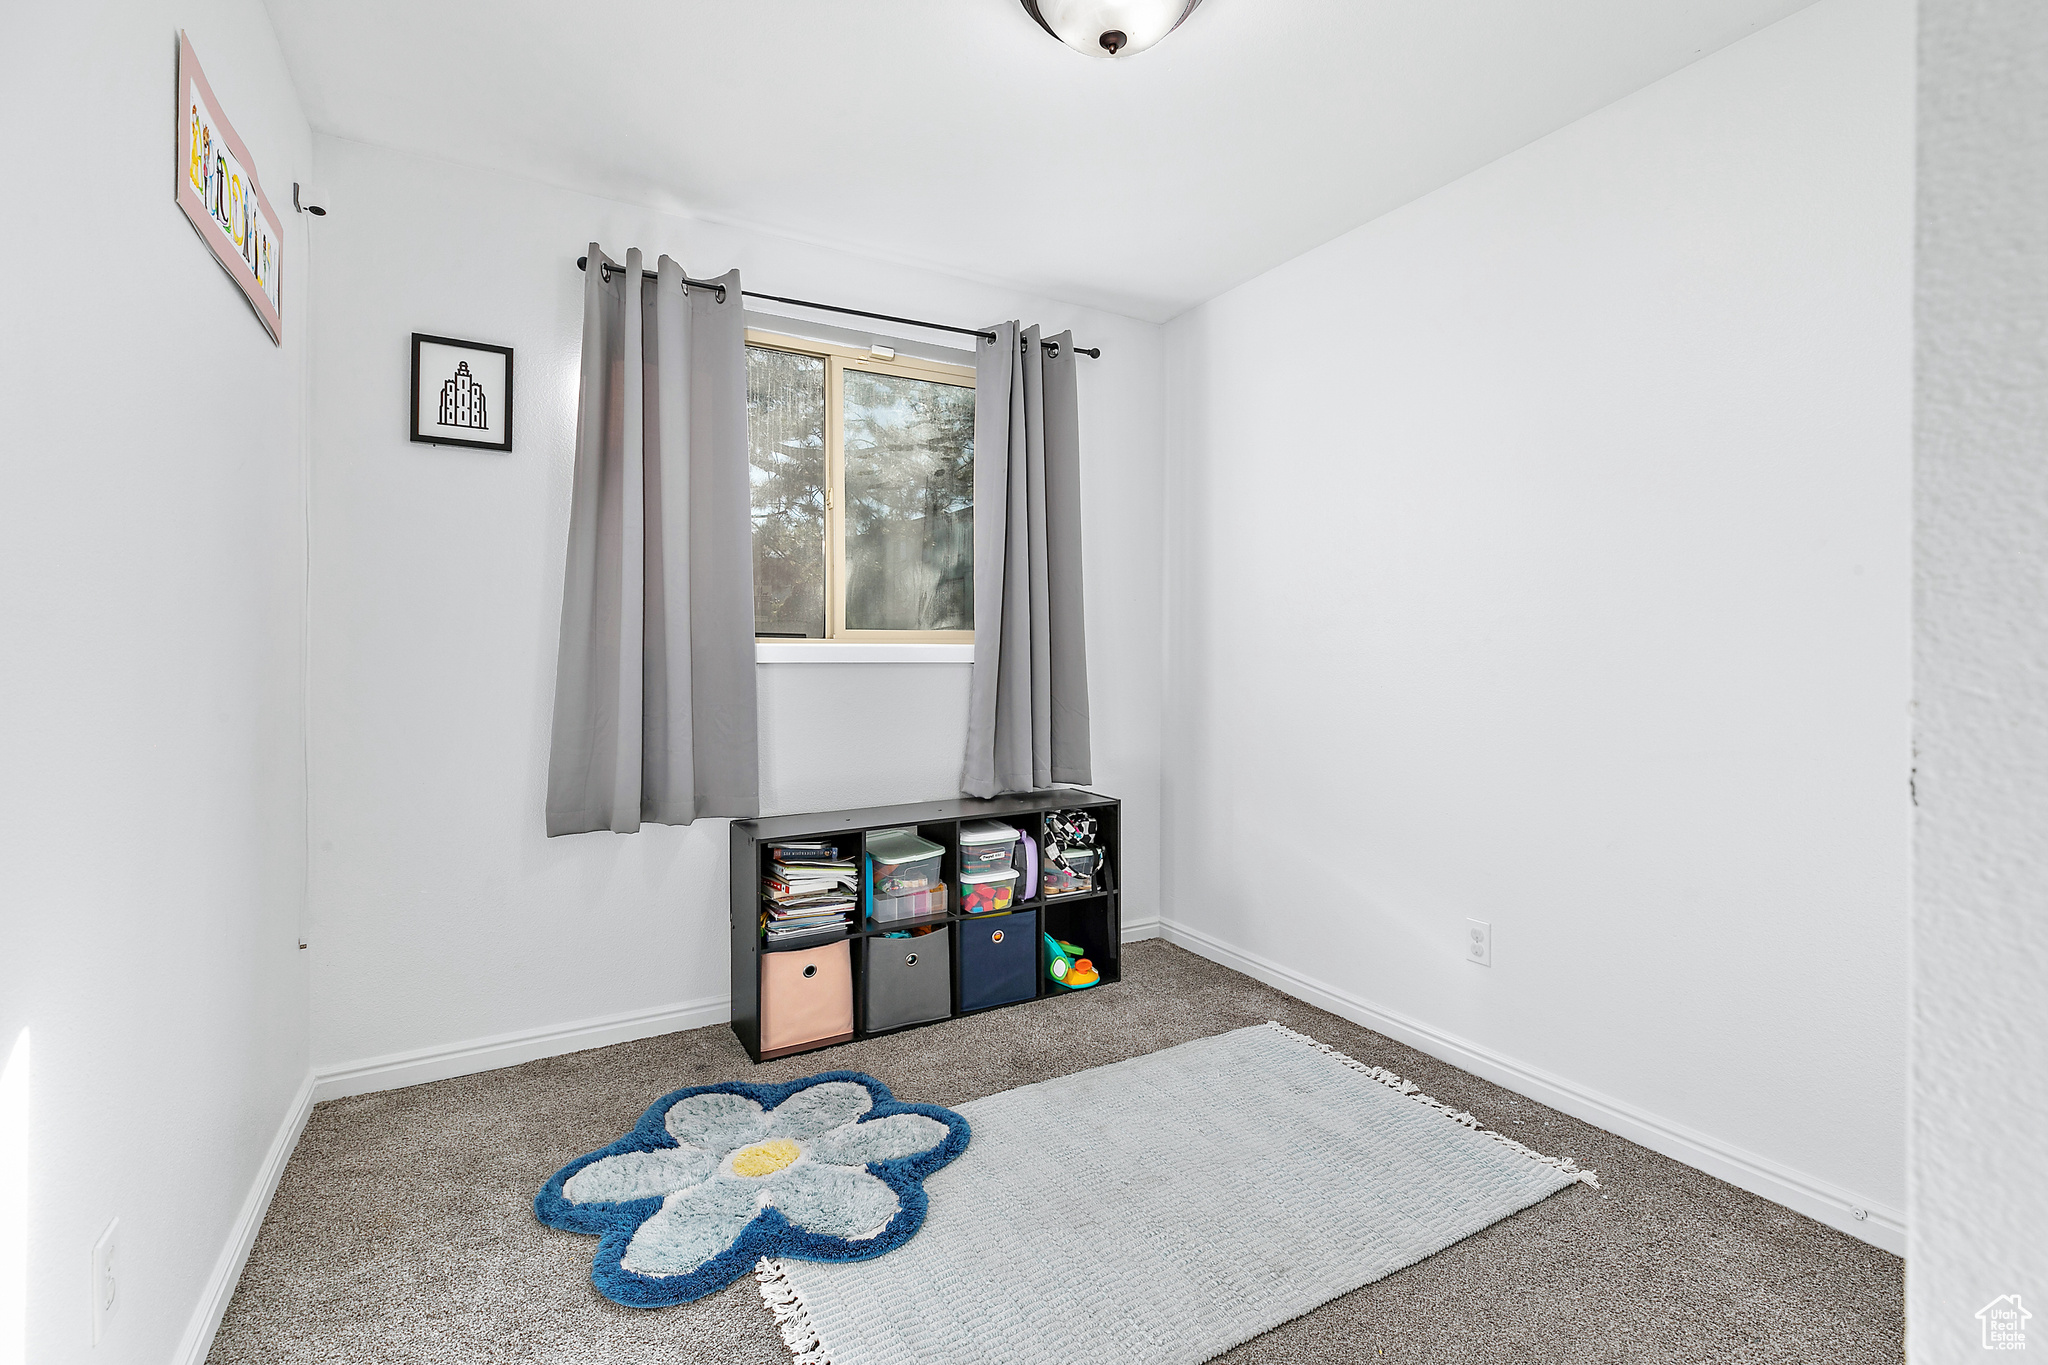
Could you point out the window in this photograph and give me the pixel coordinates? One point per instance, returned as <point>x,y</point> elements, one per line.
<point>863,493</point>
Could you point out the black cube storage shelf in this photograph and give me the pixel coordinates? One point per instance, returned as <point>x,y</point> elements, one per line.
<point>1093,920</point>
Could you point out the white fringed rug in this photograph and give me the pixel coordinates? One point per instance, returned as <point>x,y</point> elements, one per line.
<point>1164,1209</point>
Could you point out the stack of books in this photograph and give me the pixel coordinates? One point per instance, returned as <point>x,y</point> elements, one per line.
<point>808,892</point>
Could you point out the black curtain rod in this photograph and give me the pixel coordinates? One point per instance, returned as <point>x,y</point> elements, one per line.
<point>1093,352</point>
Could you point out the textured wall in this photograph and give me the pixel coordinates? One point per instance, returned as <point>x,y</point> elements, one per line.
<point>152,580</point>
<point>1540,554</point>
<point>1980,946</point>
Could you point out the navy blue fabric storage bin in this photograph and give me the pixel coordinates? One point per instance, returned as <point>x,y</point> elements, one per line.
<point>998,959</point>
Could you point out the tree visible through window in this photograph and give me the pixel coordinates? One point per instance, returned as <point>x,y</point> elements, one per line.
<point>909,504</point>
<point>863,493</point>
<point>786,449</point>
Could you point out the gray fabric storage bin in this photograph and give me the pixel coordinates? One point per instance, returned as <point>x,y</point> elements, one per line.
<point>908,980</point>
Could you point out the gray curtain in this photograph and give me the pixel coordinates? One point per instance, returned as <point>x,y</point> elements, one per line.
<point>654,687</point>
<point>1027,709</point>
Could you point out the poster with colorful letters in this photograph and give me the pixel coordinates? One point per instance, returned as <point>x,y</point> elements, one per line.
<point>218,190</point>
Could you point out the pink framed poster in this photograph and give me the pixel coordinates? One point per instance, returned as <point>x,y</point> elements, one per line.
<point>218,190</point>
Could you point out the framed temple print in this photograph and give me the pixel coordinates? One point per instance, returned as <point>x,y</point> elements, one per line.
<point>461,393</point>
<point>218,191</point>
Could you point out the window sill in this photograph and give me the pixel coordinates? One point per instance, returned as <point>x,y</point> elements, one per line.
<point>856,652</point>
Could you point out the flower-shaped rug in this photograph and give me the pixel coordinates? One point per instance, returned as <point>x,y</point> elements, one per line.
<point>712,1178</point>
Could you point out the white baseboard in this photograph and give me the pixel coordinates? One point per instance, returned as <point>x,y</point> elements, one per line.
<point>389,1073</point>
<point>420,1065</point>
<point>1882,1226</point>
<point>227,1271</point>
<point>1818,1199</point>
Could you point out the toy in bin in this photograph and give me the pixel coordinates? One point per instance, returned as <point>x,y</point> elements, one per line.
<point>1069,871</point>
<point>1071,858</point>
<point>984,893</point>
<point>1068,969</point>
<point>899,862</point>
<point>988,846</point>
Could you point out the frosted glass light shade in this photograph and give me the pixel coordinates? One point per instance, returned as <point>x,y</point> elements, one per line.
<point>1110,28</point>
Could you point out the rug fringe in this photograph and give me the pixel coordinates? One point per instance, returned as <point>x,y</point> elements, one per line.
<point>1414,1092</point>
<point>798,1332</point>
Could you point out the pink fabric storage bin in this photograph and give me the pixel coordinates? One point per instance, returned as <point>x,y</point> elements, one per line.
<point>806,996</point>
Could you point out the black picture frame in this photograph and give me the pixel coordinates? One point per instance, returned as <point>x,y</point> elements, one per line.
<point>436,434</point>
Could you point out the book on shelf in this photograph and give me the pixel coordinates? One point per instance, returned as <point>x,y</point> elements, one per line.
<point>777,929</point>
<point>807,851</point>
<point>797,923</point>
<point>833,875</point>
<point>790,886</point>
<point>811,905</point>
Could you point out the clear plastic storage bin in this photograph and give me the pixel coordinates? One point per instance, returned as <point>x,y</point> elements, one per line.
<point>1083,861</point>
<point>986,893</point>
<point>911,905</point>
<point>899,862</point>
<point>988,846</point>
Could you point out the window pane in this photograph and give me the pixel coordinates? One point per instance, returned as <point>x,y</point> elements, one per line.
<point>909,504</point>
<point>786,449</point>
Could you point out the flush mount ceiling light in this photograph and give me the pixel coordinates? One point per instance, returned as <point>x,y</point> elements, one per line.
<point>1110,28</point>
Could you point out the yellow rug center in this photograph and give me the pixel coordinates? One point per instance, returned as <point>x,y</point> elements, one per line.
<point>765,1158</point>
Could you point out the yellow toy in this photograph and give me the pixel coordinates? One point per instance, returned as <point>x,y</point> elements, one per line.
<point>1066,967</point>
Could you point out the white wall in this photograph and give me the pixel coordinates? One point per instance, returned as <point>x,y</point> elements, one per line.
<point>151,581</point>
<point>1980,941</point>
<point>1538,553</point>
<point>440,912</point>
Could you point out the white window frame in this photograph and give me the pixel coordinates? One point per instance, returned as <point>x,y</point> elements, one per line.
<point>835,646</point>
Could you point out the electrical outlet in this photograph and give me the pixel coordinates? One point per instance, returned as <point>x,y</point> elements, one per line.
<point>1479,942</point>
<point>105,1289</point>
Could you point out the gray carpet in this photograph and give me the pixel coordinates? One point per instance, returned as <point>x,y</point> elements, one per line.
<point>403,1230</point>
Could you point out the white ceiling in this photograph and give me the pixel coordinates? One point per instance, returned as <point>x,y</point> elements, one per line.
<point>956,133</point>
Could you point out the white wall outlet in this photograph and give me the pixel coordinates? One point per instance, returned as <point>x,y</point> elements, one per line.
<point>1479,942</point>
<point>105,1289</point>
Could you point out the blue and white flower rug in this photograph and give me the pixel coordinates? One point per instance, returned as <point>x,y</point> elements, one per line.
<point>1162,1210</point>
<point>716,1177</point>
